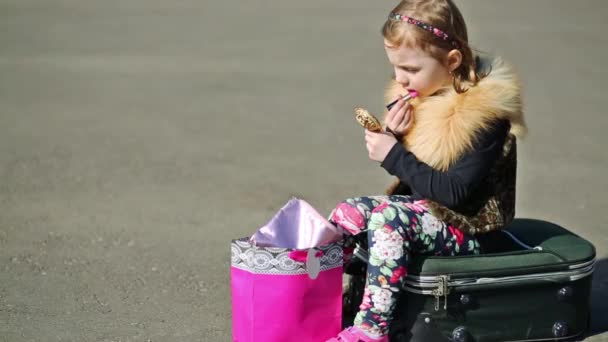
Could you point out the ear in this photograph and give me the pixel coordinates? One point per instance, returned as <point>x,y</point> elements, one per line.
<point>454,59</point>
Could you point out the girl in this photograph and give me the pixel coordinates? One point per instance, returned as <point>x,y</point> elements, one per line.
<point>452,149</point>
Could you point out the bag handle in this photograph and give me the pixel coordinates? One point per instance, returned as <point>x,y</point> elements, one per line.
<point>311,260</point>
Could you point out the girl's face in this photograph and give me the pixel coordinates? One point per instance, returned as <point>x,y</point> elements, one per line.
<point>417,70</point>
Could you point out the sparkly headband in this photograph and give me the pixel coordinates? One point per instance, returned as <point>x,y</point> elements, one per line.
<point>435,31</point>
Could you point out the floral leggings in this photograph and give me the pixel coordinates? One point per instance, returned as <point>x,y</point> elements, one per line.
<point>396,227</point>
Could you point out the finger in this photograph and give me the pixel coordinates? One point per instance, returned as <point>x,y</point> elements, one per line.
<point>398,118</point>
<point>407,105</point>
<point>403,124</point>
<point>394,102</point>
<point>410,121</point>
<point>389,116</point>
<point>396,107</point>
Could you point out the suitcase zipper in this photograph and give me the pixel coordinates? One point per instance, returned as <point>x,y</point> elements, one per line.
<point>519,242</point>
<point>441,285</point>
<point>585,264</point>
<point>575,272</point>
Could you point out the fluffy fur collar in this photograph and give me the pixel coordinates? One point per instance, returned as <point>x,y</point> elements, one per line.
<point>445,125</point>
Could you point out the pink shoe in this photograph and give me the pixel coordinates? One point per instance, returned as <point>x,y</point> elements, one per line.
<point>354,334</point>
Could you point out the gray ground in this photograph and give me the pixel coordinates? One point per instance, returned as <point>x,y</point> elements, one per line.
<point>137,137</point>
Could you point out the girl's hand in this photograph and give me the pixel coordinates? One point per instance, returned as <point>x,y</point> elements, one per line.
<point>379,145</point>
<point>400,118</point>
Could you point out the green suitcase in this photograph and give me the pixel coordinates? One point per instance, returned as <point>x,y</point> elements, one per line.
<point>532,282</point>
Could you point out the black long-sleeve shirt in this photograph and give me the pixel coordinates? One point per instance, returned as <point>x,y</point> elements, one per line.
<point>449,188</point>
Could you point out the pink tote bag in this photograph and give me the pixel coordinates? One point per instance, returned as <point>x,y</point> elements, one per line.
<point>291,292</point>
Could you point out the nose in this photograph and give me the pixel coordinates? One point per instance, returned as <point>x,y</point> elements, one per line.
<point>401,78</point>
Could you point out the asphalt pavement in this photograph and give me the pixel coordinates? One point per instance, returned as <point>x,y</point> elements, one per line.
<point>137,137</point>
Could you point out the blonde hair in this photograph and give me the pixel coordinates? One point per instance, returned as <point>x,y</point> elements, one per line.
<point>444,15</point>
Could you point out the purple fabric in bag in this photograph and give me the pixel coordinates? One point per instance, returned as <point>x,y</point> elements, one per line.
<point>297,225</point>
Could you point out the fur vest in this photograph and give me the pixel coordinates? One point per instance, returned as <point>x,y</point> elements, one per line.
<point>445,127</point>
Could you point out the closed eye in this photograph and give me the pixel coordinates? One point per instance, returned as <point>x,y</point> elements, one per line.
<point>410,69</point>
